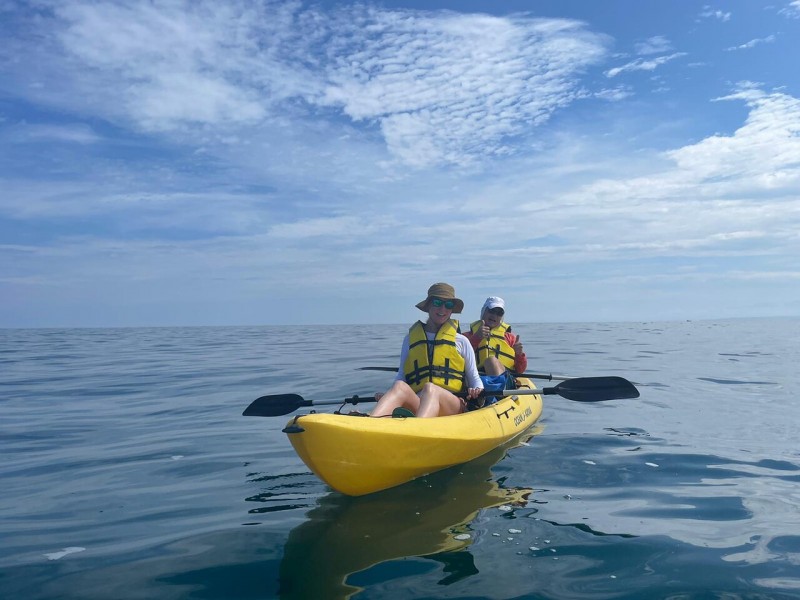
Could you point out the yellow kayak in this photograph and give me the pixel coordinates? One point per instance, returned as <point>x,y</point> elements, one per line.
<point>358,455</point>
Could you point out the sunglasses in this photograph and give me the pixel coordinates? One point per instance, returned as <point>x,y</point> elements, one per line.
<point>448,304</point>
<point>496,311</point>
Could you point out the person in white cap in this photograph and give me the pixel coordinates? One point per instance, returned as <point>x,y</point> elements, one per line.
<point>437,363</point>
<point>498,351</point>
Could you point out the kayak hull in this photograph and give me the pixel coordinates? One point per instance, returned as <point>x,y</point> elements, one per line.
<point>359,455</point>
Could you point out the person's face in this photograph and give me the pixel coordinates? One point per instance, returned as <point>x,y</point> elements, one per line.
<point>492,318</point>
<point>438,315</point>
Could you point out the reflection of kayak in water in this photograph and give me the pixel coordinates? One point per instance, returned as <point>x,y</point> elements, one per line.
<point>358,455</point>
<point>427,517</point>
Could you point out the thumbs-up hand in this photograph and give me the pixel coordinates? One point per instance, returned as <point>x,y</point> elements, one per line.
<point>518,346</point>
<point>485,330</point>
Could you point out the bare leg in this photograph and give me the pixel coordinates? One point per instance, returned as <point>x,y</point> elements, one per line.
<point>400,394</point>
<point>492,366</point>
<point>437,402</point>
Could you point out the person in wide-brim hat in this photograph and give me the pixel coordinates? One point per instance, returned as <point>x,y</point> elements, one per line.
<point>436,363</point>
<point>442,291</point>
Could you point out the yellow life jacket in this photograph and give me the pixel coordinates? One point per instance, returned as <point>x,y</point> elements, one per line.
<point>496,345</point>
<point>437,362</point>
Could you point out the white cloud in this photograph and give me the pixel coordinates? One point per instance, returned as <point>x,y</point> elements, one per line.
<point>753,43</point>
<point>641,64</point>
<point>439,87</point>
<point>334,227</point>
<point>657,44</point>
<point>180,63</point>
<point>581,210</point>
<point>276,148</point>
<point>36,133</point>
<point>448,88</point>
<point>615,94</point>
<point>763,153</point>
<point>710,13</point>
<point>791,10</point>
<point>724,197</point>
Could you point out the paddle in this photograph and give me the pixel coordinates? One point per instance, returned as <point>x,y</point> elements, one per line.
<point>548,376</point>
<point>276,405</point>
<point>580,389</point>
<point>593,389</point>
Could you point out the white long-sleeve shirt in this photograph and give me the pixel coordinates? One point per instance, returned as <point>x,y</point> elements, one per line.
<point>464,349</point>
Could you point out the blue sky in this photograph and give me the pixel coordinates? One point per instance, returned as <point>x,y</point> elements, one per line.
<point>255,162</point>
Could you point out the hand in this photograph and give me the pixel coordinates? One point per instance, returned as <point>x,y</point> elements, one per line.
<point>485,330</point>
<point>473,393</point>
<point>518,347</point>
<point>475,397</point>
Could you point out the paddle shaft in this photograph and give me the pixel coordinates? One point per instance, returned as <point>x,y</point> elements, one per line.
<point>351,400</point>
<point>547,376</point>
<point>275,405</point>
<point>580,389</point>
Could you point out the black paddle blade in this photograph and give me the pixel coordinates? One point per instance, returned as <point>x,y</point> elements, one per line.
<point>594,389</point>
<point>275,405</point>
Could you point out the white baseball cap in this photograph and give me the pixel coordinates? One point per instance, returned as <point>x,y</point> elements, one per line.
<point>494,302</point>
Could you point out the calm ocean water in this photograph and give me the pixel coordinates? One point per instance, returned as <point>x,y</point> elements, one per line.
<point>129,472</point>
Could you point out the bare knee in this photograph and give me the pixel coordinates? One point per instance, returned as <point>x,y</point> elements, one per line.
<point>493,366</point>
<point>429,389</point>
<point>438,402</point>
<point>401,386</point>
